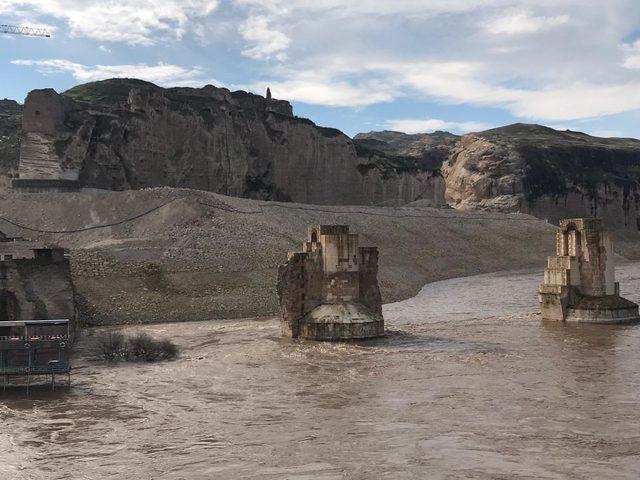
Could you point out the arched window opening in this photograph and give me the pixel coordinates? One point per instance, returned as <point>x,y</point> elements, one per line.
<point>572,242</point>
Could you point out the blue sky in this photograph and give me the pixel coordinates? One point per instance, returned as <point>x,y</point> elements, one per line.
<point>410,65</point>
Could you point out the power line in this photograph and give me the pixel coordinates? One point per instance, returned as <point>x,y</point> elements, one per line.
<point>85,229</point>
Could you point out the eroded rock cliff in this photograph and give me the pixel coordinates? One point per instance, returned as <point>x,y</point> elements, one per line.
<point>124,134</point>
<point>10,121</point>
<point>548,173</point>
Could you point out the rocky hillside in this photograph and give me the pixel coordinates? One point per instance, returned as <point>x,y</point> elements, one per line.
<point>124,134</point>
<point>529,168</point>
<point>169,255</point>
<point>10,132</point>
<point>430,150</point>
<point>548,173</point>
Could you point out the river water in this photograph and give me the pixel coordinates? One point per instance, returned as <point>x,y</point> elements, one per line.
<point>468,384</point>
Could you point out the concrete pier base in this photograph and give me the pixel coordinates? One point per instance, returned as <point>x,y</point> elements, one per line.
<point>341,322</point>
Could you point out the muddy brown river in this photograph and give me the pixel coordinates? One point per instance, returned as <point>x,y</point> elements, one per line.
<point>468,384</point>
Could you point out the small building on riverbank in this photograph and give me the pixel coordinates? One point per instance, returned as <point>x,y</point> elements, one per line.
<point>37,309</point>
<point>329,290</point>
<point>579,282</point>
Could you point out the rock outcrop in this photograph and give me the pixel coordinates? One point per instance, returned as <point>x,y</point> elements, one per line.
<point>10,133</point>
<point>430,149</point>
<point>548,173</point>
<point>125,134</point>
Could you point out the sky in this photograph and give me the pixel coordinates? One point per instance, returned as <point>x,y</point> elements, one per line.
<point>407,65</point>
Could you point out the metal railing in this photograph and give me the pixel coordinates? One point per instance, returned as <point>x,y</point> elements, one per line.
<point>35,369</point>
<point>32,338</point>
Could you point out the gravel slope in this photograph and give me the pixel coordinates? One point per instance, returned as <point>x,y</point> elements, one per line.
<point>175,255</point>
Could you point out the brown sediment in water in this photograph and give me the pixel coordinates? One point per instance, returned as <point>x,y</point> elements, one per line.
<point>457,389</point>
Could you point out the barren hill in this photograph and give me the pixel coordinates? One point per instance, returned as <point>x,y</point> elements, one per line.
<point>169,255</point>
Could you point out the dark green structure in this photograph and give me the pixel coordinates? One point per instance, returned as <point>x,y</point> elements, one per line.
<point>34,348</point>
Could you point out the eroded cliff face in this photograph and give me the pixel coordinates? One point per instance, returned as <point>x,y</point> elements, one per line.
<point>548,173</point>
<point>10,133</point>
<point>124,134</point>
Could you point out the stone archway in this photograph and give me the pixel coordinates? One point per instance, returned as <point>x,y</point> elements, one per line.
<point>572,241</point>
<point>573,238</point>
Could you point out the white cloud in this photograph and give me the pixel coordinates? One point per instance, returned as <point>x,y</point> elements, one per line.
<point>161,73</point>
<point>355,82</point>
<point>540,60</point>
<point>321,91</point>
<point>138,22</point>
<point>522,22</point>
<point>265,28</point>
<point>465,83</point>
<point>541,78</point>
<point>632,60</point>
<point>265,42</point>
<point>340,8</point>
<point>104,49</point>
<point>433,124</point>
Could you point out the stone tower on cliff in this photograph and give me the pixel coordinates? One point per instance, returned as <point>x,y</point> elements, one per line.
<point>579,283</point>
<point>329,291</point>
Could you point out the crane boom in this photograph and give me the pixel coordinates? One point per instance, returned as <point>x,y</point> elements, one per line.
<point>30,31</point>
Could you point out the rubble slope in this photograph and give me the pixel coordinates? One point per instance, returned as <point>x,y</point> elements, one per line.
<point>167,254</point>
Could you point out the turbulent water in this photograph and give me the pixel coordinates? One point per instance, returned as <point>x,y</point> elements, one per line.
<point>469,383</point>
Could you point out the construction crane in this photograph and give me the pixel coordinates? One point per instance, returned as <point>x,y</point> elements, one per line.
<point>29,31</point>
